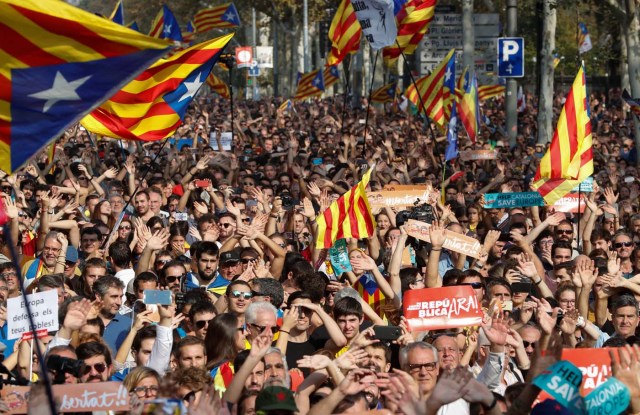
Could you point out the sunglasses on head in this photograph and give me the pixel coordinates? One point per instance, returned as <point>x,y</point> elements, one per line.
<point>200,324</point>
<point>98,367</point>
<point>238,294</point>
<point>619,245</point>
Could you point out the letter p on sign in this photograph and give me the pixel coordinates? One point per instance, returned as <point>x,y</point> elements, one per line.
<point>511,57</point>
<point>510,48</point>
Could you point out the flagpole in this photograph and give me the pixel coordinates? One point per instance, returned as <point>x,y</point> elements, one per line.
<point>413,81</point>
<point>366,119</point>
<point>346,92</point>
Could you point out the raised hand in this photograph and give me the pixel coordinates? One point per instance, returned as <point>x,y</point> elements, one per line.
<point>497,330</point>
<point>76,316</point>
<point>364,262</point>
<point>158,240</point>
<point>315,362</point>
<point>626,367</point>
<point>436,235</point>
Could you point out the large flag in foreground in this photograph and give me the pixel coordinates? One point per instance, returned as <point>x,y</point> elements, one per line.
<point>310,84</point>
<point>413,20</point>
<point>222,17</point>
<point>344,33</point>
<point>431,89</point>
<point>569,159</point>
<point>59,63</point>
<point>152,106</point>
<point>165,25</point>
<point>348,217</point>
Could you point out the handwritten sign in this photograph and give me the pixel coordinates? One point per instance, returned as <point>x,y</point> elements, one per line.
<point>44,310</point>
<point>339,257</point>
<point>585,186</point>
<point>452,241</point>
<point>515,199</point>
<point>573,202</point>
<point>442,308</point>
<point>80,397</point>
<point>393,187</point>
<point>472,155</point>
<point>396,198</point>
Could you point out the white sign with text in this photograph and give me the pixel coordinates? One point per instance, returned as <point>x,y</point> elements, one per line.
<point>44,310</point>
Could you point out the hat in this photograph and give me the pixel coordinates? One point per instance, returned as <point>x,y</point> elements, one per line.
<point>276,398</point>
<point>72,254</point>
<point>499,143</point>
<point>229,256</point>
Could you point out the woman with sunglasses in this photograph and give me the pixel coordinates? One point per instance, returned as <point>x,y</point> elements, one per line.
<point>125,230</point>
<point>143,382</point>
<point>224,340</point>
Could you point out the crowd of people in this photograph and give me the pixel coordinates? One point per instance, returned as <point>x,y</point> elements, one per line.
<point>257,320</point>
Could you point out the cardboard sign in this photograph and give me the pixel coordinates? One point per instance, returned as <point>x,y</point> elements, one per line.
<point>570,203</point>
<point>472,155</point>
<point>44,310</point>
<point>396,198</point>
<point>339,257</point>
<point>452,241</point>
<point>225,140</point>
<point>511,200</point>
<point>585,186</point>
<point>562,381</point>
<point>442,308</point>
<point>610,398</point>
<point>393,187</point>
<point>79,397</point>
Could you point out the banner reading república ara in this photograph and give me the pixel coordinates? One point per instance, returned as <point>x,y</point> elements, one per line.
<point>442,308</point>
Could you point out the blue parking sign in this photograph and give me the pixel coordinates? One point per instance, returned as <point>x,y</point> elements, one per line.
<point>511,57</point>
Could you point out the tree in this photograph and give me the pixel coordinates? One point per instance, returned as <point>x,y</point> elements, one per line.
<point>545,106</point>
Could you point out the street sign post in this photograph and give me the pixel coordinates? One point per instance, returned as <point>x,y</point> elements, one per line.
<point>254,69</point>
<point>511,57</point>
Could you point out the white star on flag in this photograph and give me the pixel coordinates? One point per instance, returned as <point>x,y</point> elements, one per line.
<point>167,29</point>
<point>230,16</point>
<point>62,90</point>
<point>192,88</point>
<point>447,74</point>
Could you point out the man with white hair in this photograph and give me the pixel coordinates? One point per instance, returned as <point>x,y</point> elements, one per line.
<point>260,316</point>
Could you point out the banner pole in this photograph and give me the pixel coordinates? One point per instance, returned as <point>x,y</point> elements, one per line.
<point>366,119</point>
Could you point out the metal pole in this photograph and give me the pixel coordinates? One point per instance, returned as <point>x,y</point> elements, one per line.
<point>254,44</point>
<point>276,72</point>
<point>511,101</point>
<point>305,36</point>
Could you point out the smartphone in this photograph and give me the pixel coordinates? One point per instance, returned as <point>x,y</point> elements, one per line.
<point>629,179</point>
<point>387,333</point>
<point>202,183</point>
<point>456,176</point>
<point>162,297</point>
<point>361,121</point>
<point>181,216</point>
<point>521,287</point>
<point>180,300</point>
<point>317,161</point>
<point>507,305</point>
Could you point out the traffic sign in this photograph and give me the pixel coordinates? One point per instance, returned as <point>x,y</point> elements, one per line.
<point>254,69</point>
<point>511,57</point>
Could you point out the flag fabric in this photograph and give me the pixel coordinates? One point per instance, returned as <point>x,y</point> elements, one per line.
<point>584,40</point>
<point>59,63</point>
<point>348,217</point>
<point>469,107</point>
<point>413,21</point>
<point>165,25</point>
<point>462,84</point>
<point>451,152</point>
<point>398,5</point>
<point>384,94</point>
<point>377,22</point>
<point>187,35</point>
<point>222,17</point>
<point>556,60</point>
<point>331,76</point>
<point>310,84</point>
<point>522,100</point>
<point>486,92</point>
<point>634,103</point>
<point>344,33</point>
<point>152,106</point>
<point>133,26</point>
<point>569,159</point>
<point>431,89</point>
<point>285,106</point>
<point>218,86</point>
<point>117,15</point>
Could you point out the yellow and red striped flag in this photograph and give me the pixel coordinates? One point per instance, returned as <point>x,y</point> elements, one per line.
<point>221,17</point>
<point>152,106</point>
<point>344,33</point>
<point>348,217</point>
<point>310,84</point>
<point>469,108</point>
<point>331,75</point>
<point>569,159</point>
<point>634,103</point>
<point>489,91</point>
<point>218,86</point>
<point>413,21</point>
<point>384,94</point>
<point>431,89</point>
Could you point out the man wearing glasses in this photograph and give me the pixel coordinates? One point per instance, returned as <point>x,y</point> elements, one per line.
<point>623,245</point>
<point>97,360</point>
<point>174,272</point>
<point>53,253</point>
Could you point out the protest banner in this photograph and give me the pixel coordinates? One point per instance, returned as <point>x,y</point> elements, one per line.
<point>28,335</point>
<point>453,241</point>
<point>394,187</point>
<point>397,198</point>
<point>339,257</point>
<point>442,308</point>
<point>79,397</point>
<point>610,398</point>
<point>511,200</point>
<point>44,311</point>
<point>569,203</point>
<point>471,155</point>
<point>586,186</point>
<point>562,381</point>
